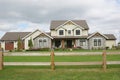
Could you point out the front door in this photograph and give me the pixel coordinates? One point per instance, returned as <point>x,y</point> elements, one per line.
<point>69,43</point>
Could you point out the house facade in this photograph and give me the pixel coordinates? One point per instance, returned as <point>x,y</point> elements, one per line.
<point>63,34</point>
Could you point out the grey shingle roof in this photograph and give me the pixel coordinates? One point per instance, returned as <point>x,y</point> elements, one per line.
<point>14,35</point>
<point>110,36</point>
<point>55,23</point>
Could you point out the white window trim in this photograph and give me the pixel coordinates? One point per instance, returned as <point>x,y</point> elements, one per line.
<point>63,32</point>
<point>75,32</point>
<point>68,33</point>
<point>84,43</point>
<point>97,42</point>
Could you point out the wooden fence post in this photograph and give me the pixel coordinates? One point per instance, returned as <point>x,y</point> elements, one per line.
<point>52,60</point>
<point>1,59</point>
<point>104,65</point>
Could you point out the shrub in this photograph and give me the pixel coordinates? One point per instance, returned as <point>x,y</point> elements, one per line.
<point>38,49</point>
<point>107,48</point>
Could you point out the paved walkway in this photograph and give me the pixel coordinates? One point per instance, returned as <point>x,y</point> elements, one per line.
<point>56,53</point>
<point>56,63</point>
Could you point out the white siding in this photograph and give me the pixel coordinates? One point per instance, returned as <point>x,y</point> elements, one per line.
<point>3,45</point>
<point>85,32</point>
<point>53,33</point>
<point>110,43</point>
<point>35,34</point>
<point>15,44</point>
<point>70,27</point>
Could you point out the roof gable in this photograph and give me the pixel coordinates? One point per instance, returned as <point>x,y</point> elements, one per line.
<point>98,34</point>
<point>41,32</point>
<point>56,23</point>
<point>69,22</point>
<point>31,34</point>
<point>44,34</point>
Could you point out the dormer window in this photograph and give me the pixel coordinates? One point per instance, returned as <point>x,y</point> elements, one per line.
<point>61,32</point>
<point>77,32</point>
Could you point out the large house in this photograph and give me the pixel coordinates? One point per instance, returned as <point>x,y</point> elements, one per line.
<point>63,34</point>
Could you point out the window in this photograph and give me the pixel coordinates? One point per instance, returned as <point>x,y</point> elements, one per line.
<point>40,40</point>
<point>44,40</point>
<point>77,32</point>
<point>61,32</point>
<point>82,42</point>
<point>97,42</point>
<point>42,43</point>
<point>69,31</point>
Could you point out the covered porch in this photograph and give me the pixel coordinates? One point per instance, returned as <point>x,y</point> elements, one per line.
<point>70,42</point>
<point>64,43</point>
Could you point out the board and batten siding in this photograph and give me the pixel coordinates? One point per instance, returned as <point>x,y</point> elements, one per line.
<point>38,44</point>
<point>91,42</point>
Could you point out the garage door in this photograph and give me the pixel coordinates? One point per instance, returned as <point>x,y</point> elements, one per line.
<point>9,46</point>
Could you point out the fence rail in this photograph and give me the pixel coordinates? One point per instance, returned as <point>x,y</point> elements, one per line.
<point>52,63</point>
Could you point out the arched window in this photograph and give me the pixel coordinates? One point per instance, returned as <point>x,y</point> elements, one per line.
<point>77,32</point>
<point>61,32</point>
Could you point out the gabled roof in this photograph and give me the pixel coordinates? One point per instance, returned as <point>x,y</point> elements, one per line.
<point>10,36</point>
<point>30,34</point>
<point>95,34</point>
<point>36,31</point>
<point>56,23</point>
<point>48,34</point>
<point>107,36</point>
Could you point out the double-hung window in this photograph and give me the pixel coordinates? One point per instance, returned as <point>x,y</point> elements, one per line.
<point>61,32</point>
<point>77,32</point>
<point>97,42</point>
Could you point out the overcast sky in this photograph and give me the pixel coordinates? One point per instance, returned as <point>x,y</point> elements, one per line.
<point>29,15</point>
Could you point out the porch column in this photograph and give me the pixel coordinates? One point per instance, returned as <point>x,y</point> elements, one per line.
<point>63,44</point>
<point>3,45</point>
<point>74,43</point>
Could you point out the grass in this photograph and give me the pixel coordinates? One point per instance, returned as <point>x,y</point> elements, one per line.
<point>81,58</point>
<point>61,73</point>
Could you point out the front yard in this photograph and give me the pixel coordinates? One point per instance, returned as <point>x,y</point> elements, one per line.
<point>61,73</point>
<point>71,72</point>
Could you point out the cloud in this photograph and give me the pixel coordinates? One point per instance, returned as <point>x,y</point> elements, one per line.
<point>101,15</point>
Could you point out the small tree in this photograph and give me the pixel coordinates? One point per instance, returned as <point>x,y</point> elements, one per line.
<point>30,43</point>
<point>19,44</point>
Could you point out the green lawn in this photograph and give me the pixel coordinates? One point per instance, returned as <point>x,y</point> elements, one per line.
<point>81,58</point>
<point>61,73</point>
